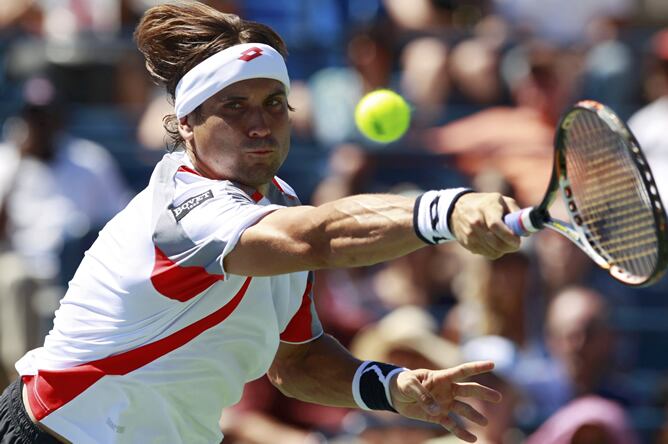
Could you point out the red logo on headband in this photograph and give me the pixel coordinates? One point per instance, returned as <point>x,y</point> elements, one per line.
<point>250,54</point>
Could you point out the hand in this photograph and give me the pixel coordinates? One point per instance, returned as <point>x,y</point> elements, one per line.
<point>477,223</point>
<point>431,395</point>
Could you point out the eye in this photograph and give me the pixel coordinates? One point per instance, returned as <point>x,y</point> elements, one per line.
<point>276,102</point>
<point>233,104</point>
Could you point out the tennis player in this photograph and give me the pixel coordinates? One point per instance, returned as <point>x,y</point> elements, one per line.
<point>203,282</point>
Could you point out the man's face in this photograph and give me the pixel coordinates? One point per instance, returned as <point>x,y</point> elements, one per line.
<point>242,133</point>
<point>578,337</point>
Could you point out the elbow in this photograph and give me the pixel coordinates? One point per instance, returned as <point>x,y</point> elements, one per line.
<point>279,378</point>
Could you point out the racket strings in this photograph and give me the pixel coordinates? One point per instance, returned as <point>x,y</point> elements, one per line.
<point>610,196</point>
<point>599,162</point>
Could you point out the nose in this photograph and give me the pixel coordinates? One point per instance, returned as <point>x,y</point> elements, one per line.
<point>258,127</point>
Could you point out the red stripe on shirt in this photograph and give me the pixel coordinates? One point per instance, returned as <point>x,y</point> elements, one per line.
<point>52,389</point>
<point>275,182</point>
<point>280,188</point>
<point>257,196</point>
<point>299,329</point>
<point>180,283</point>
<point>188,170</point>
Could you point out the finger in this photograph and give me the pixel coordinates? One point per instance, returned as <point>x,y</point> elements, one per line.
<point>473,244</point>
<point>485,242</point>
<point>416,391</point>
<point>504,238</point>
<point>457,430</point>
<point>467,411</point>
<point>475,235</point>
<point>497,244</point>
<point>511,205</point>
<point>482,248</point>
<point>469,369</point>
<point>475,390</point>
<point>509,240</point>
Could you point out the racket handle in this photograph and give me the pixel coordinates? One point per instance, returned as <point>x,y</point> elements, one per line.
<point>520,222</point>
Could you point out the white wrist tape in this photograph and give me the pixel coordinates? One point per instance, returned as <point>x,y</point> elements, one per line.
<point>431,214</point>
<point>231,65</point>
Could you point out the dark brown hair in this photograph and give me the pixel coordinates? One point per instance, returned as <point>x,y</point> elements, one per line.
<point>175,37</point>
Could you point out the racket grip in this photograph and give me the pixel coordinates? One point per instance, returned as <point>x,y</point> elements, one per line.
<point>520,222</point>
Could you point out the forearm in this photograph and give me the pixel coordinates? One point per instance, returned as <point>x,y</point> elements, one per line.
<point>365,229</point>
<point>320,372</point>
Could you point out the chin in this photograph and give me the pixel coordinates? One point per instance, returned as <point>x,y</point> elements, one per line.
<point>258,181</point>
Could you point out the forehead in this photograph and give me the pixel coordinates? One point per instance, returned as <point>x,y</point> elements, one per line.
<point>574,311</point>
<point>251,88</point>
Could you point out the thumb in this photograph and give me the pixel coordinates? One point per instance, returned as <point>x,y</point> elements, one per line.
<point>414,390</point>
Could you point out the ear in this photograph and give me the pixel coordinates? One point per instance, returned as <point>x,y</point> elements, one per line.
<point>185,130</point>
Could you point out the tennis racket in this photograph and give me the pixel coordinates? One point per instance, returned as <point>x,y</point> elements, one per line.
<point>616,215</point>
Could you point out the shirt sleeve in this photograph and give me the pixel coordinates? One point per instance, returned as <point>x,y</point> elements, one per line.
<point>203,224</point>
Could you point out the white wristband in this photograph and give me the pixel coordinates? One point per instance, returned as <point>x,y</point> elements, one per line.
<point>432,212</point>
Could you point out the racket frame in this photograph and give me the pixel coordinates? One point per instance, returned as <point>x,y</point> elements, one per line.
<point>575,230</point>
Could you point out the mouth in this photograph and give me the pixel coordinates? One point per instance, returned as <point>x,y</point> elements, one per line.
<point>260,152</point>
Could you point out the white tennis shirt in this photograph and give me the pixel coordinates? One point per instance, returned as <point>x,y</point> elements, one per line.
<point>153,339</point>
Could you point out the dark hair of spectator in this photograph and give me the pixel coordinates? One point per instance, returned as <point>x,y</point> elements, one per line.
<point>176,37</point>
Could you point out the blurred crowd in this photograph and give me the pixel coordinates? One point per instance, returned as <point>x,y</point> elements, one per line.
<point>580,358</point>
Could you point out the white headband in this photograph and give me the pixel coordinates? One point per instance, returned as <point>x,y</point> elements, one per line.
<point>231,65</point>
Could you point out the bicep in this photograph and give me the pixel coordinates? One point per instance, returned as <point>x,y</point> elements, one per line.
<point>281,242</point>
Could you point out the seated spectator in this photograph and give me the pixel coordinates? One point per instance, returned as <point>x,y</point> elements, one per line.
<point>407,336</point>
<point>424,79</point>
<point>560,262</point>
<point>586,420</point>
<point>649,123</point>
<point>335,91</point>
<point>501,428</point>
<point>579,336</point>
<point>498,309</point>
<point>515,140</point>
<point>54,190</point>
<point>492,299</point>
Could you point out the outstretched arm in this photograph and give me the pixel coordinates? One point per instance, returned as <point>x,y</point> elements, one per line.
<point>322,372</point>
<point>366,229</point>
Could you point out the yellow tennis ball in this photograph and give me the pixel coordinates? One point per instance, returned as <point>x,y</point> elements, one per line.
<point>383,116</point>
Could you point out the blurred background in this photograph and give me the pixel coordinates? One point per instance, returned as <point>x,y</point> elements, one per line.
<point>580,358</point>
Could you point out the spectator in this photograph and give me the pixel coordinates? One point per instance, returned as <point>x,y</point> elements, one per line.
<point>55,189</point>
<point>586,420</point>
<point>501,428</point>
<point>551,21</point>
<point>496,302</point>
<point>336,90</point>
<point>649,123</point>
<point>492,300</point>
<point>579,336</point>
<point>407,336</point>
<point>515,140</point>
<point>424,79</point>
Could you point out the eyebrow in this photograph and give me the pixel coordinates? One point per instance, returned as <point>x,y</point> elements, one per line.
<point>278,92</point>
